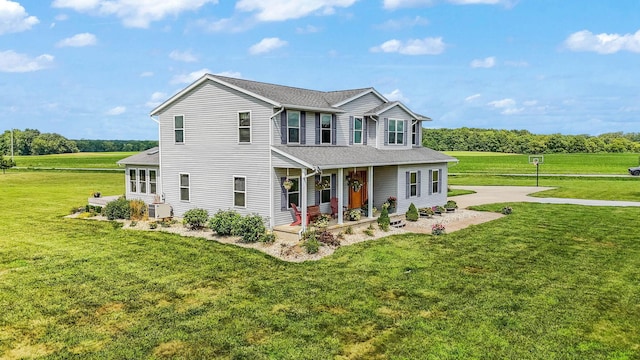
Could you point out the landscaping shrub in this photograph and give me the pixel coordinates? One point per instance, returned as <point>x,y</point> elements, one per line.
<point>117,209</point>
<point>327,238</point>
<point>138,210</point>
<point>312,245</point>
<point>383,220</point>
<point>195,218</point>
<point>225,222</point>
<point>268,237</point>
<point>437,229</point>
<point>251,228</point>
<point>94,209</point>
<point>412,213</point>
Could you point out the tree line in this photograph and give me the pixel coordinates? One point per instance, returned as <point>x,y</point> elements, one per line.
<point>524,142</point>
<point>33,142</point>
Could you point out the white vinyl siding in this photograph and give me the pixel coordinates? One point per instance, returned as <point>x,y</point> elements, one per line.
<point>239,191</point>
<point>244,127</point>
<point>178,129</point>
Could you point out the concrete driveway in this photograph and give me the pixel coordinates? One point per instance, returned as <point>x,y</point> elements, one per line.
<point>500,194</point>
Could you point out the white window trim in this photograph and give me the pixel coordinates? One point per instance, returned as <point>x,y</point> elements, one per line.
<point>184,133</point>
<point>234,177</point>
<point>435,179</point>
<point>299,193</point>
<point>362,134</point>
<point>180,187</point>
<point>396,132</point>
<point>145,182</point>
<point>299,127</point>
<point>330,129</point>
<point>150,182</point>
<point>411,184</point>
<point>329,189</point>
<point>243,127</point>
<point>135,171</point>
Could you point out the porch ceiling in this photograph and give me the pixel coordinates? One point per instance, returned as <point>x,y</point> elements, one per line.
<point>331,157</point>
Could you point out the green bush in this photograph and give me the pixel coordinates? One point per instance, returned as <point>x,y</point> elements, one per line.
<point>268,237</point>
<point>117,209</point>
<point>412,213</point>
<point>251,228</point>
<point>383,220</point>
<point>225,222</point>
<point>311,245</point>
<point>195,218</point>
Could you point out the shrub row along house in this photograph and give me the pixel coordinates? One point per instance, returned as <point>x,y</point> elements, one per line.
<point>227,143</point>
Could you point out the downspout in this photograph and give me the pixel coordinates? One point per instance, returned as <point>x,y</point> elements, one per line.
<point>372,117</point>
<point>157,121</point>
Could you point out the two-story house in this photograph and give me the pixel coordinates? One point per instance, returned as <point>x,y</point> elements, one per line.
<point>229,143</point>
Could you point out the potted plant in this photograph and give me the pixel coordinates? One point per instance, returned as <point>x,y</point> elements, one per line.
<point>451,206</point>
<point>323,185</point>
<point>287,184</point>
<point>355,184</point>
<point>438,209</point>
<point>97,194</point>
<point>354,214</point>
<point>391,204</point>
<point>426,212</point>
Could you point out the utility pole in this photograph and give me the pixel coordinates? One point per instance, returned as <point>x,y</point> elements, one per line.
<point>12,144</point>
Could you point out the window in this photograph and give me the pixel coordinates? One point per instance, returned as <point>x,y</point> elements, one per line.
<point>396,132</point>
<point>357,130</point>
<point>244,127</point>
<point>293,126</point>
<point>325,194</point>
<point>133,182</point>
<point>435,181</point>
<point>239,191</point>
<point>142,180</point>
<point>178,126</point>
<point>325,128</point>
<point>414,133</point>
<point>184,187</point>
<point>153,182</point>
<point>293,194</point>
<point>413,183</point>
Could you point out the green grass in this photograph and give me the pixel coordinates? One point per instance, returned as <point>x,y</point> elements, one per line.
<point>492,163</point>
<point>101,160</point>
<point>547,282</point>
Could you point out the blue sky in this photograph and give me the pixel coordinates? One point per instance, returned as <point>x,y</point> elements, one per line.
<point>94,69</point>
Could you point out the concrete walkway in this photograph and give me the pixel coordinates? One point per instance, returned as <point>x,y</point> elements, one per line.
<point>500,194</point>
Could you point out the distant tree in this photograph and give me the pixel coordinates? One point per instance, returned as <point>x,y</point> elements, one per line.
<point>6,163</point>
<point>48,143</point>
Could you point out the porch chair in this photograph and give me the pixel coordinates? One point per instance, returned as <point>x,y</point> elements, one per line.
<point>334,207</point>
<point>298,215</point>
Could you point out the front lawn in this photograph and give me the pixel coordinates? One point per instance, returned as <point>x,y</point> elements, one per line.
<point>547,282</point>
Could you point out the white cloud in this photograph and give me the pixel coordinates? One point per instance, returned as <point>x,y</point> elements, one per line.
<point>78,40</point>
<point>426,46</point>
<point>189,78</point>
<point>11,61</point>
<point>279,10</point>
<point>404,23</point>
<point>504,103</point>
<point>185,56</point>
<point>118,110</point>
<point>134,13</point>
<point>14,18</point>
<point>267,45</point>
<point>309,29</point>
<point>394,4</point>
<point>228,25</point>
<point>486,63</point>
<point>510,106</point>
<point>233,74</point>
<point>472,97</point>
<point>146,74</point>
<point>603,43</point>
<point>396,95</point>
<point>156,99</point>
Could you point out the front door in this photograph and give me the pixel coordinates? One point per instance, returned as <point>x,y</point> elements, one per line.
<point>358,196</point>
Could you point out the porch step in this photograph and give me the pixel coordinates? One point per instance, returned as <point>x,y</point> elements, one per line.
<point>398,223</point>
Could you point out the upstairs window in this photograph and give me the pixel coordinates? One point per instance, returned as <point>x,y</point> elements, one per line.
<point>357,130</point>
<point>414,133</point>
<point>244,127</point>
<point>178,128</point>
<point>239,191</point>
<point>293,127</point>
<point>396,132</point>
<point>325,128</point>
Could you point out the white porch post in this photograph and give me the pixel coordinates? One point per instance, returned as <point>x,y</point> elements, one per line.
<point>370,191</point>
<point>340,192</point>
<point>303,198</point>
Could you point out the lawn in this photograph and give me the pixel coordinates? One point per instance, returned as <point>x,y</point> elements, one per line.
<point>98,160</point>
<point>547,282</point>
<point>493,163</point>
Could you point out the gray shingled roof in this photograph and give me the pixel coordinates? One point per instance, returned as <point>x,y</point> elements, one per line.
<point>293,96</point>
<point>147,157</point>
<point>329,157</point>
